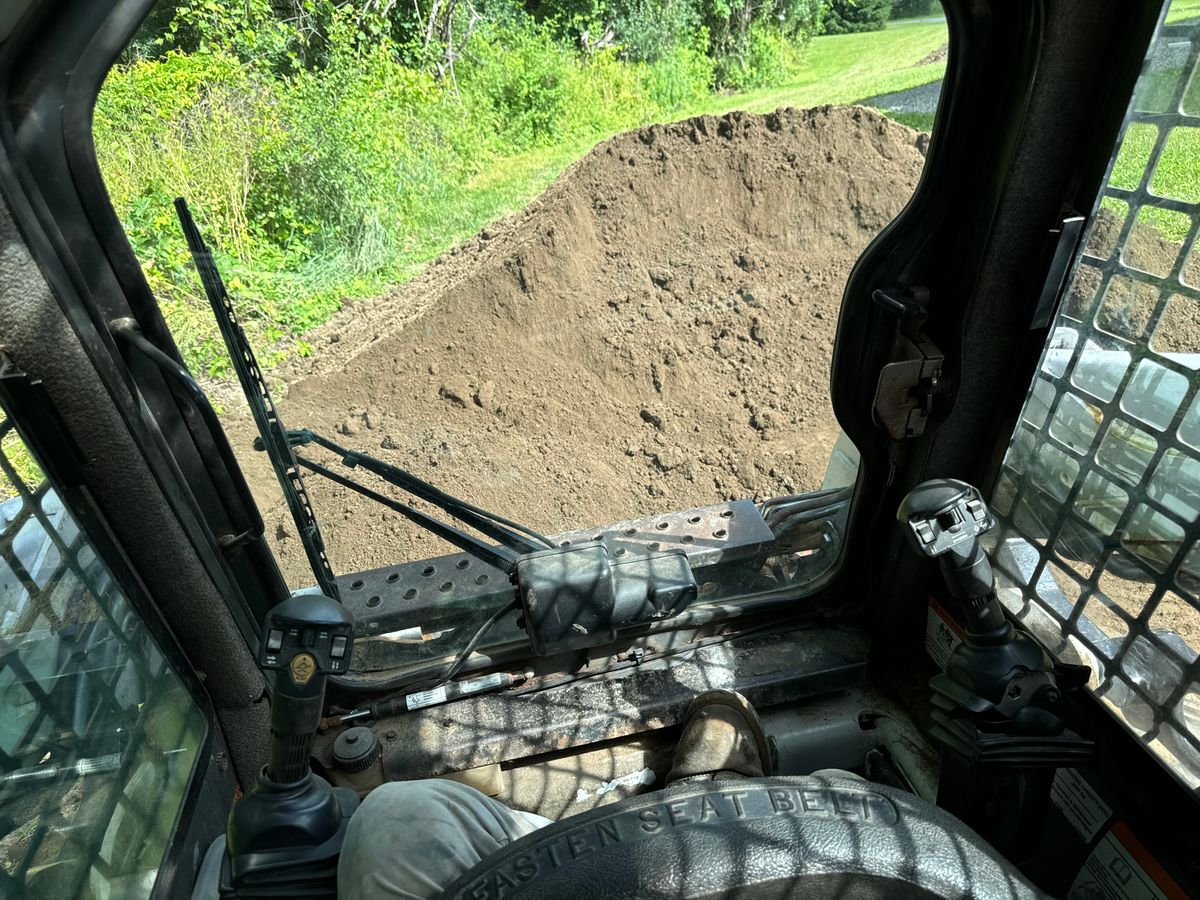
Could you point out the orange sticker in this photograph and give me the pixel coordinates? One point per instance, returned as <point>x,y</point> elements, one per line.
<point>1121,868</point>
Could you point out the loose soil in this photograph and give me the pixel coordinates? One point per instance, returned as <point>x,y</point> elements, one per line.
<point>1127,307</point>
<point>936,56</point>
<point>653,333</point>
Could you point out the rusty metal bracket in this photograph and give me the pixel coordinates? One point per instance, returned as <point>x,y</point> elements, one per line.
<point>909,385</point>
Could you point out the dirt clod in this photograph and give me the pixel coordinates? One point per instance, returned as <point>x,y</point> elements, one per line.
<point>675,290</point>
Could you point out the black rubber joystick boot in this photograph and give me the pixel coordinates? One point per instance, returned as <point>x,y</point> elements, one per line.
<point>998,709</point>
<point>285,836</point>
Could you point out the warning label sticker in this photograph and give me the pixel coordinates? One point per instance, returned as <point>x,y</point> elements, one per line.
<point>1080,803</point>
<point>942,633</point>
<point>1120,868</point>
<point>426,698</point>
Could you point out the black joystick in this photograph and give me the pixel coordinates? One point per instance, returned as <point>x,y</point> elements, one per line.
<point>999,709</point>
<point>285,836</point>
<point>307,638</point>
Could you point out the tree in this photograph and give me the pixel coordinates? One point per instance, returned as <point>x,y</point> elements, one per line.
<point>850,16</point>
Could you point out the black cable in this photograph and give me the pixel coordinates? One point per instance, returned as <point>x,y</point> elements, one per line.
<point>700,644</point>
<point>398,687</point>
<point>465,653</point>
<point>455,506</point>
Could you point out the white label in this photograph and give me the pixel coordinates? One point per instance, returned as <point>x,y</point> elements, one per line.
<point>941,637</point>
<point>426,698</point>
<point>1080,803</point>
<point>645,776</point>
<point>1111,873</point>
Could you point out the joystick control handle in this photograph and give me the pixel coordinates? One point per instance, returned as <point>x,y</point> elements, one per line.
<point>306,638</point>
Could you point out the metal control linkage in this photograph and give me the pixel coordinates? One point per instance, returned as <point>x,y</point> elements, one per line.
<point>502,558</point>
<point>514,540</point>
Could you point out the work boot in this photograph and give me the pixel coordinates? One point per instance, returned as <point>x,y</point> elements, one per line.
<point>722,738</point>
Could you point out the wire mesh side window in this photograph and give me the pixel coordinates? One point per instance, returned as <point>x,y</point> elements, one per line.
<point>1099,495</point>
<point>98,734</point>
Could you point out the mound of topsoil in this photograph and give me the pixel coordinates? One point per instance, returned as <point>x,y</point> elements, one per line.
<point>1127,306</point>
<point>653,333</point>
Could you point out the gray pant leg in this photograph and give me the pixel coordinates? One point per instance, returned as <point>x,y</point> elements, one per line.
<point>411,839</point>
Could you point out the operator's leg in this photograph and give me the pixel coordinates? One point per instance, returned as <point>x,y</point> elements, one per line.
<point>413,838</point>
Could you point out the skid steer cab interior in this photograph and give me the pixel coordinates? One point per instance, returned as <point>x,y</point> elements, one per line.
<point>965,666</point>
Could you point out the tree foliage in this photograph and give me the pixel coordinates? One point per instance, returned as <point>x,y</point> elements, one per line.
<point>915,9</point>
<point>850,16</point>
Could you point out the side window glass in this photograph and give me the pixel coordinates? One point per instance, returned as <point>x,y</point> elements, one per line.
<point>1099,495</point>
<point>98,733</point>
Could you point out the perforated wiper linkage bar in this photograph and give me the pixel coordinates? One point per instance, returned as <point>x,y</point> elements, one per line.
<point>262,407</point>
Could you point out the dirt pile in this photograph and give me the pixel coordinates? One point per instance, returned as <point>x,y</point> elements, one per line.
<point>653,333</point>
<point>1127,306</point>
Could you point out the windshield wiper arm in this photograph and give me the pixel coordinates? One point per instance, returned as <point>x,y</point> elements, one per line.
<point>507,532</point>
<point>503,558</point>
<point>254,386</point>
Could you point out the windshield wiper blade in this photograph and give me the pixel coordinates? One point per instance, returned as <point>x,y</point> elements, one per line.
<point>507,532</point>
<point>503,558</point>
<point>262,407</point>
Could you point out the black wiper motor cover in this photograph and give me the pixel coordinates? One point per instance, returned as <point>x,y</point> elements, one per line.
<point>581,596</point>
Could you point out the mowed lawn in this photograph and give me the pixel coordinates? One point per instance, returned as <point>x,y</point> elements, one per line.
<point>847,68</point>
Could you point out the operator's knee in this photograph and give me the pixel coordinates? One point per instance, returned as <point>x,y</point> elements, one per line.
<point>412,839</point>
<point>404,802</point>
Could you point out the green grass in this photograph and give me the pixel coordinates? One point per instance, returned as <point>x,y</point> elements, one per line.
<point>1177,174</point>
<point>505,186</point>
<point>836,69</point>
<point>920,121</point>
<point>1183,9</point>
<point>847,68</point>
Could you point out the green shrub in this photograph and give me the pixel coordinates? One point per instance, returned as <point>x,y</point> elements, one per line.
<point>368,144</point>
<point>190,125</point>
<point>745,36</point>
<point>643,30</point>
<point>654,30</point>
<point>681,76</point>
<point>518,82</point>
<point>187,124</point>
<point>604,95</point>
<point>851,16</point>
